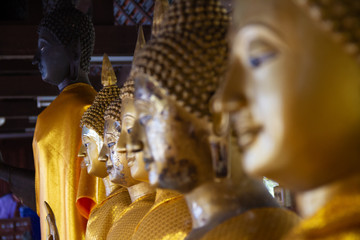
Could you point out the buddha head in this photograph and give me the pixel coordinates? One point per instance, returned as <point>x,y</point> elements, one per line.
<point>175,76</point>
<point>125,165</point>
<point>92,122</point>
<point>117,163</point>
<point>65,45</point>
<point>292,89</point>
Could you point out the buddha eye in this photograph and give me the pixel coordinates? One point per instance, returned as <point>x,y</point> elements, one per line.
<point>86,145</point>
<point>256,62</point>
<point>110,144</point>
<point>144,119</point>
<point>129,130</point>
<point>260,52</point>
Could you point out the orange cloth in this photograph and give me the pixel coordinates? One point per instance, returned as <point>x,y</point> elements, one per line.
<point>56,144</point>
<point>256,224</point>
<point>337,220</point>
<point>91,191</point>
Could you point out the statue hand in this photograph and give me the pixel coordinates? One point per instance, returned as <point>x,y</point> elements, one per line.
<point>50,218</point>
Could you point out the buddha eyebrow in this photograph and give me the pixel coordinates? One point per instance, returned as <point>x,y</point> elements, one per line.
<point>263,25</point>
<point>44,40</point>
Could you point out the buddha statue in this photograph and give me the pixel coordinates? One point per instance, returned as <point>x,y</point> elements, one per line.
<point>292,96</point>
<point>176,75</point>
<point>119,121</point>
<point>103,216</point>
<point>168,217</point>
<point>66,40</point>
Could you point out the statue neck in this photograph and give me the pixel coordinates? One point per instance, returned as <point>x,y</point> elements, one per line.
<point>165,194</point>
<point>139,190</point>
<point>110,187</point>
<point>214,202</point>
<point>209,203</point>
<point>310,202</point>
<point>82,78</point>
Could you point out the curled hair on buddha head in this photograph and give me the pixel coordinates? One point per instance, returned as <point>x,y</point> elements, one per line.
<point>339,17</point>
<point>188,57</point>
<point>113,111</point>
<point>94,116</point>
<point>68,24</point>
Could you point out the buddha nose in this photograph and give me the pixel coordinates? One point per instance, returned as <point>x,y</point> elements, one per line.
<point>82,152</point>
<point>230,97</point>
<point>36,58</point>
<point>121,143</point>
<point>103,155</point>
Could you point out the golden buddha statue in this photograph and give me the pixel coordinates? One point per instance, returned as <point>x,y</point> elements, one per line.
<point>66,39</point>
<point>103,216</point>
<point>168,217</point>
<point>119,120</point>
<point>176,75</point>
<point>292,95</point>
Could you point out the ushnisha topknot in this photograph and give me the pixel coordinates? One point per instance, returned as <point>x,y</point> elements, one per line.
<point>94,116</point>
<point>339,17</point>
<point>188,57</point>
<point>68,24</point>
<point>128,89</point>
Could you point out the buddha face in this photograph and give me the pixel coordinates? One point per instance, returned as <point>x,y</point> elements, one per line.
<point>52,58</point>
<point>178,141</point>
<point>116,164</point>
<point>293,96</point>
<point>134,154</point>
<point>91,145</point>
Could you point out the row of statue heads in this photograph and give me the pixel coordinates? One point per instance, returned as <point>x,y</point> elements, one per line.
<point>197,116</point>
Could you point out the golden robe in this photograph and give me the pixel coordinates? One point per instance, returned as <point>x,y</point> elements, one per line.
<point>337,220</point>
<point>104,215</point>
<point>256,224</point>
<point>169,218</point>
<point>125,226</point>
<point>56,143</point>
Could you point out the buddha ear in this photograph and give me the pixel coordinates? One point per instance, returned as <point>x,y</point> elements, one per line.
<point>74,55</point>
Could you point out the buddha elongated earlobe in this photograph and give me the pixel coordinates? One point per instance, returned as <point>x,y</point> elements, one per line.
<point>74,71</point>
<point>219,155</point>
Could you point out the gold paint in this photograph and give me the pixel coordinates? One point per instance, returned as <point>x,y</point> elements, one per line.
<point>108,77</point>
<point>93,118</point>
<point>259,223</point>
<point>130,217</point>
<point>140,42</point>
<point>57,128</point>
<point>182,55</point>
<point>104,216</point>
<point>292,95</point>
<point>160,8</point>
<point>50,218</point>
<point>337,219</point>
<point>92,143</point>
<point>168,218</point>
<point>139,190</point>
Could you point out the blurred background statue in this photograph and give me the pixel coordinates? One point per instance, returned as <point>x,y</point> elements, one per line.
<point>293,97</point>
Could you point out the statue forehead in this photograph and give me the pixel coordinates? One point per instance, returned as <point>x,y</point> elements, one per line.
<point>246,11</point>
<point>48,36</point>
<point>88,132</point>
